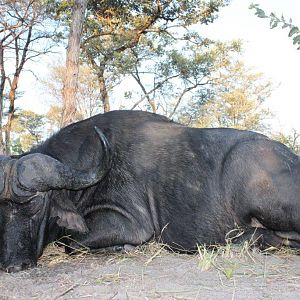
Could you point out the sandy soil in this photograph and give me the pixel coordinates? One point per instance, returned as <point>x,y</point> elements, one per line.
<point>157,274</point>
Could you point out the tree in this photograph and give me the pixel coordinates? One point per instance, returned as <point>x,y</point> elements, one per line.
<point>24,28</point>
<point>290,140</point>
<point>54,118</point>
<point>114,28</point>
<point>169,81</point>
<point>294,31</point>
<point>87,99</point>
<point>236,100</point>
<point>27,129</point>
<point>72,62</point>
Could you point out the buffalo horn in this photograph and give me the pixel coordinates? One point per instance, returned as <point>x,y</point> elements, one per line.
<point>40,173</point>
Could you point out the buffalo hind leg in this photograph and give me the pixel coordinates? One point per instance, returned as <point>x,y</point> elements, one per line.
<point>264,238</point>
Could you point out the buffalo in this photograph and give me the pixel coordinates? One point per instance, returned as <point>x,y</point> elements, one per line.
<point>125,177</point>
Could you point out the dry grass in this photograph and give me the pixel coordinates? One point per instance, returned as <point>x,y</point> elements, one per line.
<point>110,278</point>
<point>244,260</point>
<point>229,260</point>
<point>54,253</point>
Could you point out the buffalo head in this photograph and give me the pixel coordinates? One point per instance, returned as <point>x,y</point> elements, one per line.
<point>29,188</point>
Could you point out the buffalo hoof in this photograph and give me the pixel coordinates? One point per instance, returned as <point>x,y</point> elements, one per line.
<point>76,248</point>
<point>18,267</point>
<point>115,249</point>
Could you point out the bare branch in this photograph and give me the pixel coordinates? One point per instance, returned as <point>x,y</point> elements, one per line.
<point>97,35</point>
<point>183,93</point>
<point>157,86</point>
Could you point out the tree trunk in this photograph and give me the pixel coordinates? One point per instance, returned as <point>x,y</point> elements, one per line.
<point>103,91</point>
<point>2,85</point>
<point>72,63</point>
<point>11,111</point>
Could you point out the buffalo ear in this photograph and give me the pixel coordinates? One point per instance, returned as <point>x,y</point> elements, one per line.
<point>72,221</point>
<point>66,215</point>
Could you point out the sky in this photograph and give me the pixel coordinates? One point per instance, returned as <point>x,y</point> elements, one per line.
<point>269,51</point>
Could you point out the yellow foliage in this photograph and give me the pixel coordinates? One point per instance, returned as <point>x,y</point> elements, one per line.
<point>239,100</point>
<point>87,97</point>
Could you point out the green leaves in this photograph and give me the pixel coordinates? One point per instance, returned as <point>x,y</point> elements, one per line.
<point>296,39</point>
<point>274,21</point>
<point>260,13</point>
<point>293,30</point>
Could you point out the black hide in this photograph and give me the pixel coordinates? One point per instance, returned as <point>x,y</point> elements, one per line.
<point>179,185</point>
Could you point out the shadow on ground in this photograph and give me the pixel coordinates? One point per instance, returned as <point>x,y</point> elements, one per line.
<point>156,274</point>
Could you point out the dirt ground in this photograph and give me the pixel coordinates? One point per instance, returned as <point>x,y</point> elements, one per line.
<point>154,273</point>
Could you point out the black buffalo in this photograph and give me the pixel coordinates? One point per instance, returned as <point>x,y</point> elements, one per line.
<point>125,177</point>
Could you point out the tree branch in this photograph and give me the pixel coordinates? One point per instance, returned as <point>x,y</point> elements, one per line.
<point>185,91</point>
